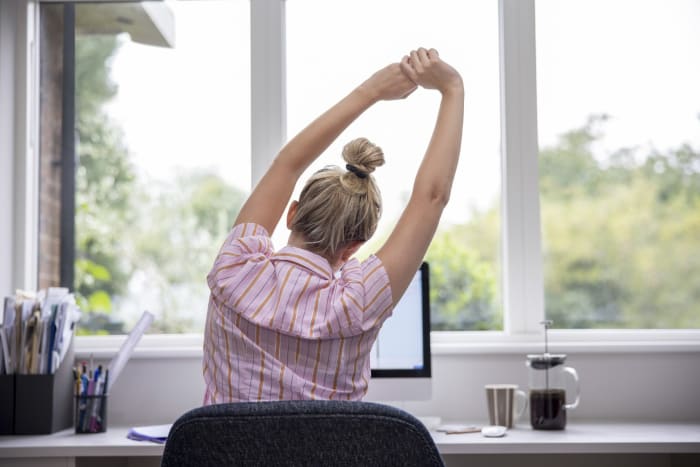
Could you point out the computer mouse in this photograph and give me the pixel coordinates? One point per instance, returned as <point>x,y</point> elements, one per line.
<point>493,431</point>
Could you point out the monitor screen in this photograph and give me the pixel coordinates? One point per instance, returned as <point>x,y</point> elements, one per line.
<point>402,348</point>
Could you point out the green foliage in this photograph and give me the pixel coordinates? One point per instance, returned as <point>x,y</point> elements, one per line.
<point>100,301</point>
<point>93,55</point>
<point>95,272</point>
<point>621,238</point>
<point>187,222</point>
<point>104,183</point>
<point>677,174</point>
<point>462,287</point>
<point>569,167</point>
<point>83,331</point>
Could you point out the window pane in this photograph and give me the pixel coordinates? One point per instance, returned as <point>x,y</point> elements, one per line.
<point>618,104</point>
<point>164,156</point>
<point>332,46</point>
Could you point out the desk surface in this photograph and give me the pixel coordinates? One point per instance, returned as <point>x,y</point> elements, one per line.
<point>577,438</point>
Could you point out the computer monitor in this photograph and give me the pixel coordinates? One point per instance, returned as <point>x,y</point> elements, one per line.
<point>400,357</point>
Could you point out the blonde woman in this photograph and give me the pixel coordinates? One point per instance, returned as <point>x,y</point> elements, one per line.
<point>299,323</point>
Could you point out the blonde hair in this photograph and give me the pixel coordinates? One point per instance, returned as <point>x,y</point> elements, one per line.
<point>337,206</point>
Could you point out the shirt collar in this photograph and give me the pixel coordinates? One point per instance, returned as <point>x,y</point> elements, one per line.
<point>306,259</point>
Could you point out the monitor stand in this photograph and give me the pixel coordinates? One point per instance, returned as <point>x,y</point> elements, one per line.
<point>399,389</point>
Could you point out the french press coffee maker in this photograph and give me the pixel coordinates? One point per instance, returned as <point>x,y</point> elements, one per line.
<point>547,377</point>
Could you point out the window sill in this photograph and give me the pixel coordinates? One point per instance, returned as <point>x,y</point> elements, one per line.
<point>565,341</point>
<point>443,343</point>
<point>154,346</point>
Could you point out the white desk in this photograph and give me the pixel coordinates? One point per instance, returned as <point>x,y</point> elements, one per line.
<point>66,444</point>
<point>65,447</point>
<point>579,438</point>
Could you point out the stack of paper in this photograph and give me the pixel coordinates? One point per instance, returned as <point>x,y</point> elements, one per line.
<point>155,433</point>
<point>36,330</point>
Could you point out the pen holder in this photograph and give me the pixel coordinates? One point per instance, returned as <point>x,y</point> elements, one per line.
<point>7,404</point>
<point>43,402</point>
<point>91,414</point>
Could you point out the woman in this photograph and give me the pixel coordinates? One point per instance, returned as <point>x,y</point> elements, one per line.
<point>299,323</point>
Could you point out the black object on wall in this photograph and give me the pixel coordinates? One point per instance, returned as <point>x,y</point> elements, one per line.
<point>68,154</point>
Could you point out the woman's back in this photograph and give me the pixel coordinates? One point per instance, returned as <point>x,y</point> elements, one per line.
<point>282,325</point>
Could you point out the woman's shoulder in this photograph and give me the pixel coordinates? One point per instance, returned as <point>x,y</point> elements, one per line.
<point>248,229</point>
<point>369,270</point>
<point>247,246</point>
<point>366,285</point>
<point>248,238</point>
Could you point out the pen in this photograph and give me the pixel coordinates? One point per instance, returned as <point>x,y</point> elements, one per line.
<point>84,392</point>
<point>84,380</point>
<point>106,385</point>
<point>89,407</point>
<point>93,425</point>
<point>76,378</point>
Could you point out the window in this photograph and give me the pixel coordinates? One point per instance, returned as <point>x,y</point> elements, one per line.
<point>162,112</point>
<point>616,179</point>
<point>619,132</point>
<point>332,47</point>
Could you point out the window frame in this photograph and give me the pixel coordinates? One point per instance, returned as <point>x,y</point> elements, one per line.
<point>19,122</point>
<point>523,286</point>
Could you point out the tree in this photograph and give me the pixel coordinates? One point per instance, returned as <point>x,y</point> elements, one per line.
<point>188,219</point>
<point>621,235</point>
<point>462,287</point>
<point>621,238</point>
<point>139,243</point>
<point>104,183</point>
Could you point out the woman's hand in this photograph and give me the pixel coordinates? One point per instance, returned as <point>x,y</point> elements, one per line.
<point>424,67</point>
<point>389,83</point>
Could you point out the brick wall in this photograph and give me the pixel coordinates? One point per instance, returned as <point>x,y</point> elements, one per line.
<point>51,54</point>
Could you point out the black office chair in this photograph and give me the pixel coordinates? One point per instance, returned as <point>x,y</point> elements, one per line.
<point>299,433</point>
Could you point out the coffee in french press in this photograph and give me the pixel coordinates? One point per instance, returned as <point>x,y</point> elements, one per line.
<point>547,399</point>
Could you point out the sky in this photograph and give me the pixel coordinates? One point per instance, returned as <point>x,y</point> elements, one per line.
<point>636,60</point>
<point>188,107</point>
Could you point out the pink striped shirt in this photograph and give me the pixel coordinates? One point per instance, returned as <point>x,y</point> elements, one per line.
<point>281,325</point>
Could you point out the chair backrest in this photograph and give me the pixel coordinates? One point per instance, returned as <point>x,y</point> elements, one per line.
<point>299,433</point>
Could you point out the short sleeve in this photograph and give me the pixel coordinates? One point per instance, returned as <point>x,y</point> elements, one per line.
<point>368,291</point>
<point>247,247</point>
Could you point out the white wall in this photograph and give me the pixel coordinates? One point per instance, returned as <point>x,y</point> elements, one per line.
<point>616,387</point>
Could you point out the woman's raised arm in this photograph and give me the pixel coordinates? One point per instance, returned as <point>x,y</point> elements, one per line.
<point>268,200</point>
<point>406,246</point>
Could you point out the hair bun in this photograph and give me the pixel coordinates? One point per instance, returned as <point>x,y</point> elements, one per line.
<point>363,154</point>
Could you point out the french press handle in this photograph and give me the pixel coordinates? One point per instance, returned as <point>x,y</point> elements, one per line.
<point>572,372</point>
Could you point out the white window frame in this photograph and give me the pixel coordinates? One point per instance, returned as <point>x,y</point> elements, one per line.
<point>19,131</point>
<point>521,237</point>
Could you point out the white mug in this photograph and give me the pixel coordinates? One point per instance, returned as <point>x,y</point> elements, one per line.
<point>501,401</point>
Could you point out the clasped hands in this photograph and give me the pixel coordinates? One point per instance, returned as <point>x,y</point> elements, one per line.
<point>420,68</point>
